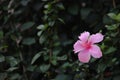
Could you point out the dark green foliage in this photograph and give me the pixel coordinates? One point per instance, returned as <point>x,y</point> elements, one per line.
<point>37,37</point>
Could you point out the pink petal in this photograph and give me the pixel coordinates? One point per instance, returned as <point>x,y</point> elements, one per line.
<point>84,56</point>
<point>78,47</point>
<point>95,51</point>
<point>84,36</point>
<point>95,38</point>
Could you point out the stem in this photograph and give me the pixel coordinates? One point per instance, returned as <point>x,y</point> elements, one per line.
<point>101,77</point>
<point>24,69</point>
<point>21,58</point>
<point>10,4</point>
<point>50,55</point>
<point>114,4</point>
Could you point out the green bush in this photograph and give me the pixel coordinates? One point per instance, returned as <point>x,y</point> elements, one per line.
<point>37,37</point>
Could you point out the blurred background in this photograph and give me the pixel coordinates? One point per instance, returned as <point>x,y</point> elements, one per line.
<point>37,37</point>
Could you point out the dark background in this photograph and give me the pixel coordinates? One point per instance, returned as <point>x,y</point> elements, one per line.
<point>37,37</point>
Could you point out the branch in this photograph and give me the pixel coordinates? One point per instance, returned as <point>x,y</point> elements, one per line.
<point>114,4</point>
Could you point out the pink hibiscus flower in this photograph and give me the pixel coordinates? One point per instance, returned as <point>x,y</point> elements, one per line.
<point>86,47</point>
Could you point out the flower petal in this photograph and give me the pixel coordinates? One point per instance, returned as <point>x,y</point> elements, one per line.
<point>96,38</point>
<point>78,47</point>
<point>84,56</point>
<point>95,51</point>
<point>84,36</point>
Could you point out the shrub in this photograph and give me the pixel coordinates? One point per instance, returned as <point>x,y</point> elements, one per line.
<point>37,37</point>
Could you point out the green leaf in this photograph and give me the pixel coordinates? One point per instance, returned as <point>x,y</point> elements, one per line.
<point>114,34</point>
<point>51,23</point>
<point>60,5</point>
<point>13,61</point>
<point>41,27</point>
<point>36,57</point>
<point>46,58</point>
<point>112,15</point>
<point>2,58</point>
<point>63,77</point>
<point>85,12</point>
<point>56,52</point>
<point>101,67</point>
<point>27,25</point>
<point>3,76</point>
<point>107,20</point>
<point>114,59</point>
<point>61,20</point>
<point>65,43</point>
<point>118,17</point>
<point>39,33</point>
<point>62,57</point>
<point>44,67</point>
<point>42,39</point>
<point>92,60</point>
<point>12,69</point>
<point>1,34</point>
<point>31,68</point>
<point>112,27</point>
<point>28,41</point>
<point>103,46</point>
<point>65,65</point>
<point>54,62</point>
<point>24,2</point>
<point>73,9</point>
<point>117,77</point>
<point>47,6</point>
<point>15,76</point>
<point>3,47</point>
<point>110,50</point>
